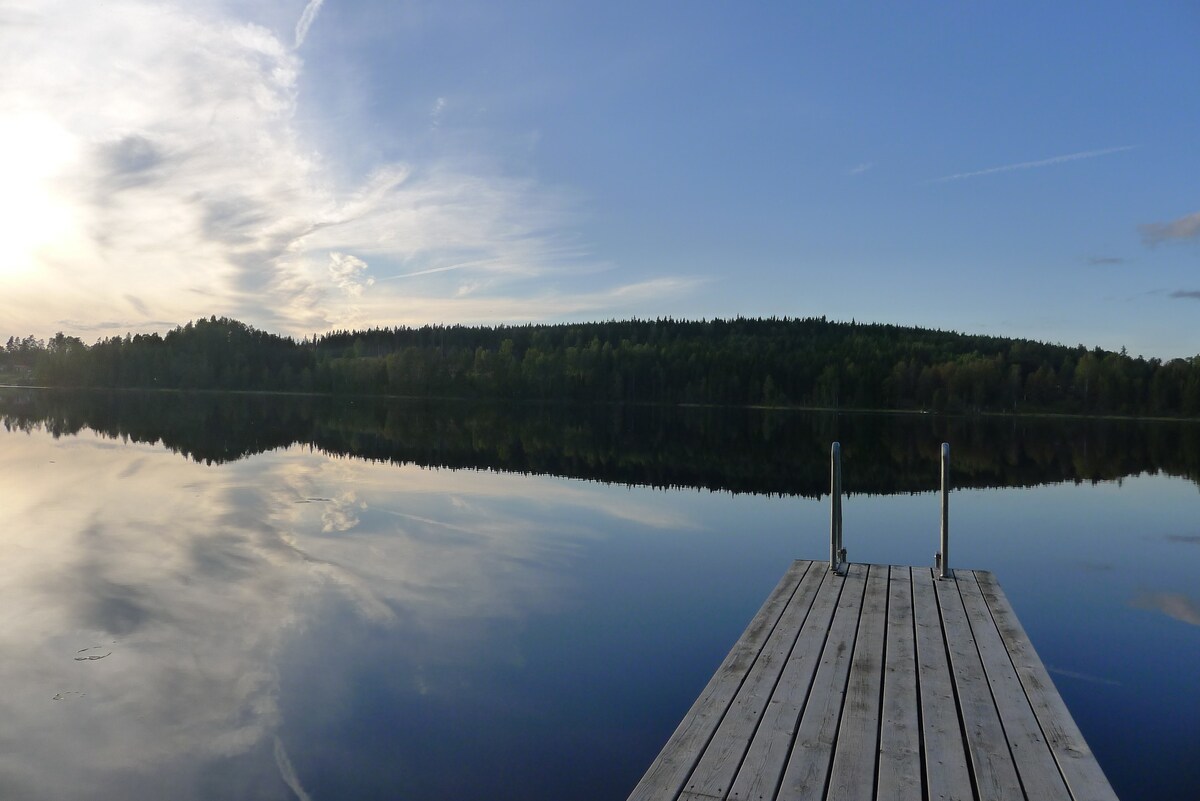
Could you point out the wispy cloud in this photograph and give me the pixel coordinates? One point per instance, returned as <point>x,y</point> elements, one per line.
<point>1187,227</point>
<point>474,301</point>
<point>1106,260</point>
<point>1030,165</point>
<point>175,181</point>
<point>859,169</point>
<point>94,326</point>
<point>306,20</point>
<point>1189,294</point>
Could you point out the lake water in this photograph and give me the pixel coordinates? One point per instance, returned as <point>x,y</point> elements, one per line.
<point>245,597</point>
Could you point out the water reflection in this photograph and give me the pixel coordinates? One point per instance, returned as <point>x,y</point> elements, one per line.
<point>159,606</point>
<point>755,451</point>
<point>291,622</point>
<point>1174,605</point>
<point>101,558</point>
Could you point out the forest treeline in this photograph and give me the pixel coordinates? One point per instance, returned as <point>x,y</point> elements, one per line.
<point>775,362</point>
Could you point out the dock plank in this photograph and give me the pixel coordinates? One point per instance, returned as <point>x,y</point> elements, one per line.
<point>946,770</point>
<point>900,735</point>
<point>858,735</point>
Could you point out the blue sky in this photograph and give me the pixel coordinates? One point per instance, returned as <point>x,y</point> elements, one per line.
<point>999,168</point>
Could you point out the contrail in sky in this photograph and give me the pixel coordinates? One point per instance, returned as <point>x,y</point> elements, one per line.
<point>286,771</point>
<point>443,269</point>
<point>306,20</point>
<point>1029,165</point>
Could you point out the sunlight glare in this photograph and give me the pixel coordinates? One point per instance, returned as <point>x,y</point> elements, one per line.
<point>33,154</point>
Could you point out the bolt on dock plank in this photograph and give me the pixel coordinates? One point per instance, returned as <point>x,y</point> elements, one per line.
<point>883,683</point>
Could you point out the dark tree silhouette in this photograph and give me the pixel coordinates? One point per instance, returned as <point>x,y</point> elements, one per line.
<point>773,362</point>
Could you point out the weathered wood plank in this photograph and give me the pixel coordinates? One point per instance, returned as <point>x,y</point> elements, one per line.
<point>888,684</point>
<point>812,753</point>
<point>947,774</point>
<point>853,774</point>
<point>1035,764</point>
<point>900,734</point>
<point>991,760</point>
<point>1082,772</point>
<point>718,766</point>
<point>669,771</point>
<point>765,760</point>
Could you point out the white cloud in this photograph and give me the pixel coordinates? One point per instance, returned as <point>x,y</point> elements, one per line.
<point>150,150</point>
<point>182,175</point>
<point>347,273</point>
<point>859,169</point>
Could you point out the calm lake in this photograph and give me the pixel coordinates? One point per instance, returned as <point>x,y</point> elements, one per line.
<point>255,597</point>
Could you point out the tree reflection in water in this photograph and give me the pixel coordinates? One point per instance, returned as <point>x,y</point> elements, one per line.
<point>734,450</point>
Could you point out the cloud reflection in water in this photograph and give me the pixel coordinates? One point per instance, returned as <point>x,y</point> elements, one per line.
<point>1172,604</point>
<point>199,580</point>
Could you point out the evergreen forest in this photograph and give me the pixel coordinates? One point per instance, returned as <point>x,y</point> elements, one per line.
<point>809,362</point>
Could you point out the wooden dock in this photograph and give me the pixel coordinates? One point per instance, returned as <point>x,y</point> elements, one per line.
<point>884,683</point>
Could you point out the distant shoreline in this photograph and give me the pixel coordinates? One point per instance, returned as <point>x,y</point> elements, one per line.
<point>790,408</point>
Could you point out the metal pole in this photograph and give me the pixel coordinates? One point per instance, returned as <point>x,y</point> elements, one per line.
<point>944,554</point>
<point>837,554</point>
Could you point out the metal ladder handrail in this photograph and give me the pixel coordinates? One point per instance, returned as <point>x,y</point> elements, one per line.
<point>941,560</point>
<point>837,551</point>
